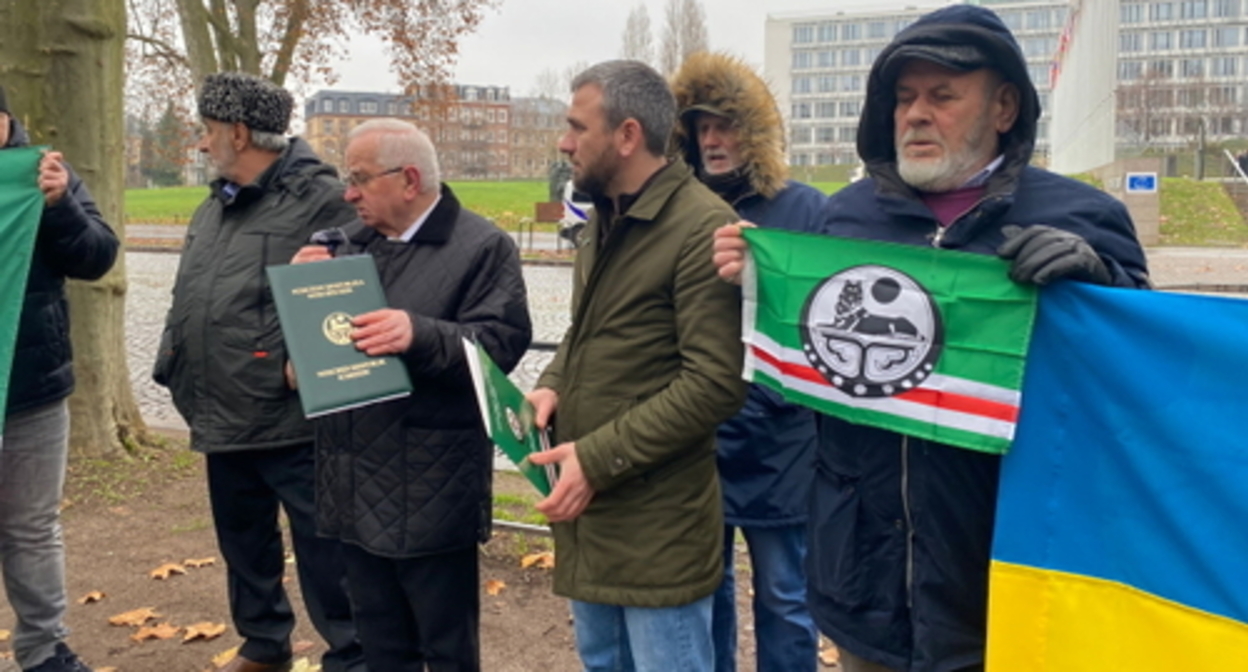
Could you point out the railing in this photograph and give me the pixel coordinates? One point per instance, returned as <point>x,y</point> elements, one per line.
<point>1235,163</point>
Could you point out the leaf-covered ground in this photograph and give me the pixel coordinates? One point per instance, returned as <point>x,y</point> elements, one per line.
<point>1199,214</point>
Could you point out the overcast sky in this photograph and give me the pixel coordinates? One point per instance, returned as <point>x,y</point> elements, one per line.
<point>524,37</point>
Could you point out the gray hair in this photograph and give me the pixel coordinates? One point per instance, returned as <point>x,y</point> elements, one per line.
<point>403,144</point>
<point>269,142</point>
<point>634,90</point>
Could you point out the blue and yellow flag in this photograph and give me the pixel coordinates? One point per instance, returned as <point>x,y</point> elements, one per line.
<point>21,206</point>
<point>1122,525</point>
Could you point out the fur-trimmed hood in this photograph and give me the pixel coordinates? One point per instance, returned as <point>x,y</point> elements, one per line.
<point>726,85</point>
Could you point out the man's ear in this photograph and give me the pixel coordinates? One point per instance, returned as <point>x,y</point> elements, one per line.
<point>240,136</point>
<point>630,137</point>
<point>1005,107</point>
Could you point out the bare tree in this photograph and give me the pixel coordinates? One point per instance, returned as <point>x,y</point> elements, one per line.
<point>62,66</point>
<point>684,33</point>
<point>570,73</point>
<point>548,84</point>
<point>637,41</point>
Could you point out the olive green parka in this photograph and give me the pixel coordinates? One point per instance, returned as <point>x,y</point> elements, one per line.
<point>649,367</point>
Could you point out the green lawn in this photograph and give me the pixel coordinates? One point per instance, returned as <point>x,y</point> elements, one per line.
<point>1199,213</point>
<point>171,205</point>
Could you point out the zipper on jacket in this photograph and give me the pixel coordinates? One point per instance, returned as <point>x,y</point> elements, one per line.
<point>264,261</point>
<point>942,228</point>
<point>905,505</point>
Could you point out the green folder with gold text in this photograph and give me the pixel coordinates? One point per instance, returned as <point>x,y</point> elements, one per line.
<point>508,417</point>
<point>315,304</point>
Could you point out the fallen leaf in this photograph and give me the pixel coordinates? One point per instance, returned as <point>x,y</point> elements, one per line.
<point>305,665</point>
<point>830,656</point>
<point>302,646</point>
<point>494,587</point>
<point>199,562</point>
<point>166,570</point>
<point>206,630</point>
<point>5,635</point>
<point>162,631</point>
<point>223,658</point>
<point>543,560</point>
<point>134,617</point>
<point>93,596</point>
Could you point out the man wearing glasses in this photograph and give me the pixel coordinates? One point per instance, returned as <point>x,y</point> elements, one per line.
<point>406,483</point>
<point>222,358</point>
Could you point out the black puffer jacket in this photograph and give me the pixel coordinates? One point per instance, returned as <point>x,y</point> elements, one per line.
<point>411,477</point>
<point>222,353</point>
<point>901,528</point>
<point>73,242</point>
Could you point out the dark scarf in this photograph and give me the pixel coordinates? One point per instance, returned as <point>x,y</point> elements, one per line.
<point>731,186</point>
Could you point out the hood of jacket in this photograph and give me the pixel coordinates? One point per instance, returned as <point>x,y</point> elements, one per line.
<point>953,25</point>
<point>726,86</point>
<point>17,134</point>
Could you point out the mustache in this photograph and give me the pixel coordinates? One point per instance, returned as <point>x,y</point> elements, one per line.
<point>915,135</point>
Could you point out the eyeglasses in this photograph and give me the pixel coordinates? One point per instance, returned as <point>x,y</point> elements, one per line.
<point>358,180</point>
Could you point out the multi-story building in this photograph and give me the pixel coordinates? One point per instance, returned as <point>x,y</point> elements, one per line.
<point>536,125</point>
<point>817,64</point>
<point>469,125</point>
<point>1180,66</point>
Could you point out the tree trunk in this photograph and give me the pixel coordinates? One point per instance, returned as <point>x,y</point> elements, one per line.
<point>61,62</point>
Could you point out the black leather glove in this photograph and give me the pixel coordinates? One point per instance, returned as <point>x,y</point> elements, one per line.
<point>1043,254</point>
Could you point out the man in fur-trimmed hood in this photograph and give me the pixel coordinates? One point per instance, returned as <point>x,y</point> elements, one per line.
<point>731,132</point>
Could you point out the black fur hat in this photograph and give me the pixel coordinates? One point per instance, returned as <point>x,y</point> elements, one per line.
<point>237,97</point>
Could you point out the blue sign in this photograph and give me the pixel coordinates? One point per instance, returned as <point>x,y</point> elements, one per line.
<point>1141,183</point>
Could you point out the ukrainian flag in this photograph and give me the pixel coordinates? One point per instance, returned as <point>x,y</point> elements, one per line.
<point>1122,527</point>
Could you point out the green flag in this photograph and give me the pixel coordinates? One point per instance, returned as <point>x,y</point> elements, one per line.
<point>21,206</point>
<point>918,340</point>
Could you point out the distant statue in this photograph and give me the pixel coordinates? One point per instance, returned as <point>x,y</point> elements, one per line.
<point>559,173</point>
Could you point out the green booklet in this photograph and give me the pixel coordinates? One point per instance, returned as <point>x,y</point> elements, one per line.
<point>315,304</point>
<point>508,417</point>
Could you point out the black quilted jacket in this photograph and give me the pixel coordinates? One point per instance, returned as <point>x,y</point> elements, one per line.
<point>411,477</point>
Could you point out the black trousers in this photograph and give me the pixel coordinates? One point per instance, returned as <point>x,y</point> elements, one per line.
<point>246,489</point>
<point>417,614</point>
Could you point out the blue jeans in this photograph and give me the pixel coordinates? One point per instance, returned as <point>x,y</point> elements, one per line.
<point>611,638</point>
<point>32,553</point>
<point>784,632</point>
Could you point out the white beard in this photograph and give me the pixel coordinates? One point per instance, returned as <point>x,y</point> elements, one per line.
<point>951,170</point>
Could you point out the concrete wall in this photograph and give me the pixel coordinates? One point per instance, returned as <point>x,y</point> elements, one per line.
<point>1145,209</point>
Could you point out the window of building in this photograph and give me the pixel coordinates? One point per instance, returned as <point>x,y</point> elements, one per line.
<point>1161,41</point>
<point>502,116</point>
<point>851,82</point>
<point>1039,73</point>
<point>827,59</point>
<point>1226,8</point>
<point>800,135</point>
<point>801,159</point>
<point>801,85</point>
<point>850,57</point>
<point>848,133</point>
<point>803,33</point>
<point>1130,42</point>
<point>1223,95</point>
<point>901,24</point>
<point>801,110</point>
<point>851,31</point>
<point>1224,126</point>
<point>1157,98</point>
<point>344,106</point>
<point>1192,67</point>
<point>368,107</point>
<point>1129,70</point>
<point>1158,127</point>
<point>827,32</point>
<point>851,108</point>
<point>1193,9</point>
<point>825,110</point>
<point>1131,12</point>
<point>869,54</point>
<point>1193,39</point>
<point>803,60</point>
<point>1226,37</point>
<point>826,83</point>
<point>825,134</point>
<point>877,30</point>
<point>1190,97</point>
<point>1037,20</point>
<point>327,105</point>
<point>327,127</point>
<point>1162,69</point>
<point>1161,11</point>
<point>1222,66</point>
<point>489,115</point>
<point>823,159</point>
<point>1034,46</point>
<point>470,93</point>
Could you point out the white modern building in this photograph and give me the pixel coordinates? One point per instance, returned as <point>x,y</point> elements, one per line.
<point>1180,68</point>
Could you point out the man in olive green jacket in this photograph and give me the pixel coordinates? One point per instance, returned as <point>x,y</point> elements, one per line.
<point>650,366</point>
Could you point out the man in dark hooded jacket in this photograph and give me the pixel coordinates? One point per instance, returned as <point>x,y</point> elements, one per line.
<point>73,242</point>
<point>901,528</point>
<point>222,357</point>
<point>732,133</point>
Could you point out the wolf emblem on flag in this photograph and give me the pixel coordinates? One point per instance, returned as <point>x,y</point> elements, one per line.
<point>873,342</point>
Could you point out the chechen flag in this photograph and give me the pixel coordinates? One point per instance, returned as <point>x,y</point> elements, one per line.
<point>918,340</point>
